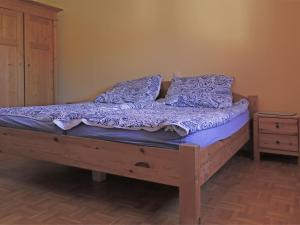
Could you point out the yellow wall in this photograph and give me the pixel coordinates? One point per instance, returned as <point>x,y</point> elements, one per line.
<point>104,41</point>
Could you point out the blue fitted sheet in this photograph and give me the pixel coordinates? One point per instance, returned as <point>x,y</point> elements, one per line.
<point>21,122</point>
<point>160,138</point>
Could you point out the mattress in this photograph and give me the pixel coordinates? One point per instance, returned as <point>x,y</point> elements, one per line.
<point>26,123</point>
<point>160,138</point>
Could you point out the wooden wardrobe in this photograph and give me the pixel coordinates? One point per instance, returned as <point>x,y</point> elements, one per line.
<point>27,53</point>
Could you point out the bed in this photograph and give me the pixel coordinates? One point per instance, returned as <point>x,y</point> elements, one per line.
<point>177,162</point>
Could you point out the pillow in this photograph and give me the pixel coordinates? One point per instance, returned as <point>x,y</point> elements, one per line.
<point>207,91</point>
<point>144,89</point>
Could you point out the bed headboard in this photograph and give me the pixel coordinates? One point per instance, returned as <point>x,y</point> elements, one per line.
<point>252,98</point>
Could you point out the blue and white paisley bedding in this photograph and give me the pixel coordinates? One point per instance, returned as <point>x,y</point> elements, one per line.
<point>145,89</point>
<point>142,116</point>
<point>206,91</point>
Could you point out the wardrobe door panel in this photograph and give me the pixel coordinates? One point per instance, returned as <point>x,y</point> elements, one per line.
<point>39,79</point>
<point>11,58</point>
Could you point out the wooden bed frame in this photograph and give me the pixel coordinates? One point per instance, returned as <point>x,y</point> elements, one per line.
<point>188,168</point>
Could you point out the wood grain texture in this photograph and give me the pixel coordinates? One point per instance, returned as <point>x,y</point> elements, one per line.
<point>253,104</point>
<point>281,142</point>
<point>31,7</point>
<point>153,164</point>
<point>214,157</point>
<point>27,56</point>
<point>55,61</point>
<point>278,151</point>
<point>39,61</point>
<point>276,135</point>
<point>278,125</point>
<point>189,186</point>
<point>11,58</point>
<point>256,138</point>
<point>299,140</point>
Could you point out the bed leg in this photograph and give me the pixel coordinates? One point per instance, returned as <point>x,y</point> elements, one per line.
<point>98,176</point>
<point>299,141</point>
<point>255,139</point>
<point>189,186</point>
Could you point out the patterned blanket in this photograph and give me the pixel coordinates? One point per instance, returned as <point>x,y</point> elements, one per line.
<point>131,116</point>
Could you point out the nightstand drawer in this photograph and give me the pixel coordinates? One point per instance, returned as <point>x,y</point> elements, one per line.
<point>278,126</point>
<point>280,142</point>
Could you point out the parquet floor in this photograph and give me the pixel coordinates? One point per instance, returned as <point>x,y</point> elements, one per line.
<point>243,192</point>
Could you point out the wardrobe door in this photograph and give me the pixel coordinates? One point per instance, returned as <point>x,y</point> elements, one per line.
<point>39,72</point>
<point>11,58</point>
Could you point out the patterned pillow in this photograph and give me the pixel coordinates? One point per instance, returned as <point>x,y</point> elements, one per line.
<point>140,90</point>
<point>207,91</point>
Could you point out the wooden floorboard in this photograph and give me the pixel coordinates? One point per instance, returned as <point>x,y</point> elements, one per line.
<point>243,192</point>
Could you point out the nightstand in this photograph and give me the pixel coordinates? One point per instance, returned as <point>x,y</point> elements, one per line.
<point>276,134</point>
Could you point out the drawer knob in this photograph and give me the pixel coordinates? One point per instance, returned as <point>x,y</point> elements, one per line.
<point>277,125</point>
<point>277,142</point>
